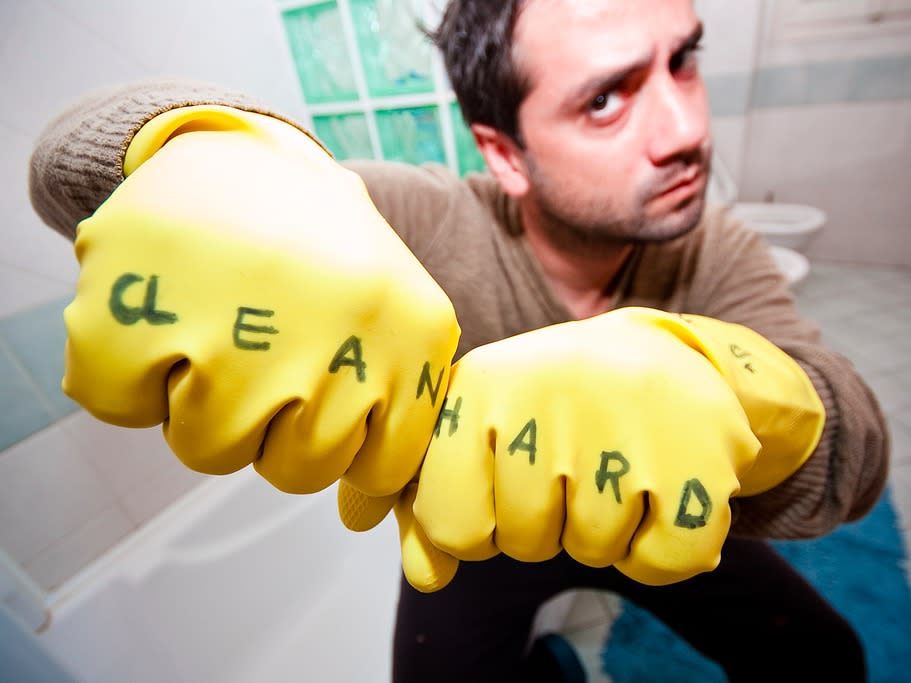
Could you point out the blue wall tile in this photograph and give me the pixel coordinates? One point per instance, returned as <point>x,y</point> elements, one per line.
<point>22,409</point>
<point>729,94</point>
<point>883,79</point>
<point>795,85</point>
<point>34,342</point>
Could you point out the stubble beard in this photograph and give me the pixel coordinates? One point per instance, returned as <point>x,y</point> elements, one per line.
<point>591,223</point>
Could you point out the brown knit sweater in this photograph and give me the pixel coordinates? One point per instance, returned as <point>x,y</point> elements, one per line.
<point>468,235</point>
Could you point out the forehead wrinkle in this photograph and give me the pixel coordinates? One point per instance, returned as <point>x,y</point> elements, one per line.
<point>530,36</point>
<point>564,71</point>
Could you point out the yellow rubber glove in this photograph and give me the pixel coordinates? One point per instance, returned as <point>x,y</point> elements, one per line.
<point>241,288</point>
<point>619,438</point>
<point>785,412</point>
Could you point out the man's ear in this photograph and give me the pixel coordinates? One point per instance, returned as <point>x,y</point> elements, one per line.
<point>504,158</point>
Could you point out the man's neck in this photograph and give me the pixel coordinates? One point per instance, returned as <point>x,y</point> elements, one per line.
<point>583,277</point>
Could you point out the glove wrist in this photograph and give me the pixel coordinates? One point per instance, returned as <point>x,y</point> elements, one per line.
<point>780,400</point>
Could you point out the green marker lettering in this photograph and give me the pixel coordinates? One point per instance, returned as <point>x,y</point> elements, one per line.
<point>451,415</point>
<point>241,326</point>
<point>130,315</point>
<point>693,487</point>
<point>529,431</point>
<point>351,345</point>
<point>425,380</point>
<point>605,474</point>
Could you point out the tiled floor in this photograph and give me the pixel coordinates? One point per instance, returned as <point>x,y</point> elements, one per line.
<point>865,314</point>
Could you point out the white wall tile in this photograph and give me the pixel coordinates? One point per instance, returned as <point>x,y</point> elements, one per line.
<point>240,44</point>
<point>47,493</point>
<point>47,60</point>
<point>21,290</point>
<point>152,496</point>
<point>851,160</point>
<point>136,465</point>
<point>871,40</point>
<point>10,14</point>
<point>728,132</point>
<point>125,459</point>
<point>892,386</point>
<point>142,30</point>
<point>731,32</point>
<point>17,147</point>
<point>61,560</point>
<point>36,249</point>
<point>28,244</point>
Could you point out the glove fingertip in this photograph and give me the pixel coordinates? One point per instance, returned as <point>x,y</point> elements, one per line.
<point>360,512</point>
<point>427,568</point>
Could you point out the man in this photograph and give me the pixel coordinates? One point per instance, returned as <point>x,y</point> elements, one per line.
<point>593,120</point>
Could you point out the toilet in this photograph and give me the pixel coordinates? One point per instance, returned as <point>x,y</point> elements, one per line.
<point>787,227</point>
<point>793,264</point>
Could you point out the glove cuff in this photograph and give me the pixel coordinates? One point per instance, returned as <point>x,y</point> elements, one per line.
<point>78,160</point>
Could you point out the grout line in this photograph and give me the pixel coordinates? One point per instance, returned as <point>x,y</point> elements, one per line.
<point>36,388</point>
<point>101,37</point>
<point>33,273</point>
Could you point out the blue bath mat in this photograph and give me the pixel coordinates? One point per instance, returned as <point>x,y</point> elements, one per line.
<point>859,568</point>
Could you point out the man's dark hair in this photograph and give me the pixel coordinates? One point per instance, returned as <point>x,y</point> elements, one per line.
<point>475,38</point>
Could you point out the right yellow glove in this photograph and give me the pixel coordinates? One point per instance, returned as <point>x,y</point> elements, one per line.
<point>241,288</point>
<point>606,437</point>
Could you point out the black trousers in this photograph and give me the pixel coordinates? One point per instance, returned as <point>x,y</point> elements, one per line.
<point>754,615</point>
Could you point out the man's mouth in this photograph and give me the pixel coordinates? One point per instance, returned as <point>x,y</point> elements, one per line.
<point>685,182</point>
<point>683,187</point>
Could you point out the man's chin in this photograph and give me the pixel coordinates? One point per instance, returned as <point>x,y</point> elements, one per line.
<point>676,223</point>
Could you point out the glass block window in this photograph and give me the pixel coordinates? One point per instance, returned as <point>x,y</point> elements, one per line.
<point>393,53</point>
<point>373,85</point>
<point>412,135</point>
<point>467,154</point>
<point>346,135</point>
<point>320,57</point>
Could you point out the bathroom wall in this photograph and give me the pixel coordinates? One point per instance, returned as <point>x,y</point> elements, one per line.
<point>71,487</point>
<point>818,113</point>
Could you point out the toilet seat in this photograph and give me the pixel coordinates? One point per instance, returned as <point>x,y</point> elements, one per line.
<point>784,225</point>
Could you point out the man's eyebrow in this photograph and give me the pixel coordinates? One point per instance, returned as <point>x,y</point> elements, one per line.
<point>692,40</point>
<point>610,81</point>
<point>606,82</point>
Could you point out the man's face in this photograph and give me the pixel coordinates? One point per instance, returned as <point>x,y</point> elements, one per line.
<point>615,126</point>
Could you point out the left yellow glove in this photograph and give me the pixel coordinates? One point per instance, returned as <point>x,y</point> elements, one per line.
<point>240,287</point>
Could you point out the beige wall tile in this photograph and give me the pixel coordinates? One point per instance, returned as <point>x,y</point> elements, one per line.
<point>48,60</point>
<point>731,32</point>
<point>21,291</point>
<point>850,160</point>
<point>728,134</point>
<point>63,559</point>
<point>124,458</point>
<point>152,496</point>
<point>47,492</point>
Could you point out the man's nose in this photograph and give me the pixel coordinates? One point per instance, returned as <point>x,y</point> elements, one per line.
<point>679,121</point>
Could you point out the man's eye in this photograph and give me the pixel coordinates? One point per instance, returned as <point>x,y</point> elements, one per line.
<point>606,105</point>
<point>687,59</point>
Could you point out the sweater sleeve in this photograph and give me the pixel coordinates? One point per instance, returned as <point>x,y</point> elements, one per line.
<point>846,474</point>
<point>78,159</point>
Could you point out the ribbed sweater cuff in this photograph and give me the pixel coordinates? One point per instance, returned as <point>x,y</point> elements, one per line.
<point>78,160</point>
